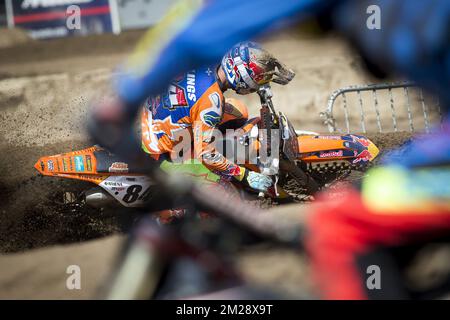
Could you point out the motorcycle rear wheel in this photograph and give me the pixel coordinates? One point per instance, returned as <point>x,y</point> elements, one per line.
<point>305,181</point>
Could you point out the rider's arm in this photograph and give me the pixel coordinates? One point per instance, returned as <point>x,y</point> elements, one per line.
<point>206,115</point>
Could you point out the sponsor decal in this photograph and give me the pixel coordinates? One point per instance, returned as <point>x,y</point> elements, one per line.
<point>58,167</point>
<point>70,164</point>
<point>113,184</point>
<point>88,163</point>
<point>118,188</point>
<point>234,170</point>
<point>65,165</point>
<point>176,97</point>
<point>212,115</point>
<point>89,177</point>
<point>230,70</point>
<point>363,156</point>
<point>329,137</point>
<point>212,118</point>
<point>50,165</point>
<point>190,86</point>
<point>79,163</point>
<point>118,167</point>
<point>331,154</point>
<point>42,166</point>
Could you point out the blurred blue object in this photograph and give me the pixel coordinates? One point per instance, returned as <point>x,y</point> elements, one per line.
<point>429,150</point>
<point>413,40</point>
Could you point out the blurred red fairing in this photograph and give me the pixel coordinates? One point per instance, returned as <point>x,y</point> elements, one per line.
<point>341,230</point>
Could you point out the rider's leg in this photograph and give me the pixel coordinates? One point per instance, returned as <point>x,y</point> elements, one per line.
<point>196,170</point>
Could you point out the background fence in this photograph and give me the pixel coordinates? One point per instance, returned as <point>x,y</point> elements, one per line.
<point>386,107</point>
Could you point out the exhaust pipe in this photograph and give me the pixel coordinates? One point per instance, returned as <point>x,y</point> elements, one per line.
<point>99,198</point>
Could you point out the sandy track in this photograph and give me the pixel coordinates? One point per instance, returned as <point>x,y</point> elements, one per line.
<point>41,274</point>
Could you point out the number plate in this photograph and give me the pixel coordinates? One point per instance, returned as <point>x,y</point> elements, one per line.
<point>130,191</point>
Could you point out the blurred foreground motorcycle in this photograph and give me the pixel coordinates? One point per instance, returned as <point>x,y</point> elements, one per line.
<point>195,259</point>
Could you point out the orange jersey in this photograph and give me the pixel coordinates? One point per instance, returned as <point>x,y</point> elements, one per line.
<point>192,108</point>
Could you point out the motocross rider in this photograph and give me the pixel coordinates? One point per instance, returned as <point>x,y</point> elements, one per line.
<point>195,102</point>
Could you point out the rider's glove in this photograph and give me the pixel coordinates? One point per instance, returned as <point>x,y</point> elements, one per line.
<point>256,180</point>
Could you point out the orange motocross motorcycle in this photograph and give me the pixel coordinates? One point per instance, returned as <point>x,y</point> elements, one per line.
<point>273,147</point>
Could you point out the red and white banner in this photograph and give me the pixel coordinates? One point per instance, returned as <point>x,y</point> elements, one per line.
<point>59,18</point>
